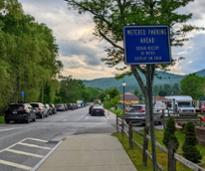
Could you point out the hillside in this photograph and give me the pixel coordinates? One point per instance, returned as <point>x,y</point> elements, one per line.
<point>201,73</point>
<point>161,78</point>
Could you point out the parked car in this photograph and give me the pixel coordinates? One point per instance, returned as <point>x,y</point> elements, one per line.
<point>53,109</point>
<point>75,106</point>
<point>72,106</point>
<point>39,109</point>
<point>48,110</point>
<point>138,107</point>
<point>20,112</point>
<point>137,115</point>
<point>97,110</point>
<point>65,106</point>
<point>60,107</point>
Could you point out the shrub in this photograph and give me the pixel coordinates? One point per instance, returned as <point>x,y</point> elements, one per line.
<point>169,133</point>
<point>190,150</point>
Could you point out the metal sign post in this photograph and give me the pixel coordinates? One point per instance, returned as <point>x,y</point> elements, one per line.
<point>22,96</point>
<point>148,45</point>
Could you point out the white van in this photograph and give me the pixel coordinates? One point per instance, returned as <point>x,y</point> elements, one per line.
<point>180,104</point>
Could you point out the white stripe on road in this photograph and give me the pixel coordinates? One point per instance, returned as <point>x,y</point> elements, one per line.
<point>19,166</point>
<point>7,129</point>
<point>35,139</point>
<point>24,153</point>
<point>35,146</point>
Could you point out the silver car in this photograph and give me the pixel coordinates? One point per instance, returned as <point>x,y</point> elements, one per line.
<point>137,115</point>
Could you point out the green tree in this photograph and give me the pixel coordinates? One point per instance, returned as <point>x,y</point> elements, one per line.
<point>111,98</point>
<point>194,86</point>
<point>110,16</point>
<point>72,90</point>
<point>27,56</point>
<point>190,150</point>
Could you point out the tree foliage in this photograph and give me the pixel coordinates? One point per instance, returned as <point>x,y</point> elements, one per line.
<point>110,98</point>
<point>72,90</point>
<point>194,86</point>
<point>27,57</point>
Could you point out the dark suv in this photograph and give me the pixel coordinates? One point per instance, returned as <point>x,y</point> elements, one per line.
<point>20,112</point>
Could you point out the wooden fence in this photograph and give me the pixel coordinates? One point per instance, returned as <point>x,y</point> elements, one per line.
<point>127,129</point>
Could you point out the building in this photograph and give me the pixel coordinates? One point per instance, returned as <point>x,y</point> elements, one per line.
<point>130,98</point>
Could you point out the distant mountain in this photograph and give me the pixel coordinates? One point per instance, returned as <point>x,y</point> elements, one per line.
<point>161,78</point>
<point>201,73</point>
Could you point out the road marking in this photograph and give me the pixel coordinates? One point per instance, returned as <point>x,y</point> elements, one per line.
<point>35,139</point>
<point>7,129</point>
<point>35,146</point>
<point>24,153</point>
<point>44,159</point>
<point>19,166</point>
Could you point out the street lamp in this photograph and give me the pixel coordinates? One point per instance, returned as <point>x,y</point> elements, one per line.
<point>123,91</point>
<point>124,84</point>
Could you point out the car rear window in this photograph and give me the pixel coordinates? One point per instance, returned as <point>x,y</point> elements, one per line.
<point>34,105</point>
<point>137,108</point>
<point>15,106</point>
<point>59,105</point>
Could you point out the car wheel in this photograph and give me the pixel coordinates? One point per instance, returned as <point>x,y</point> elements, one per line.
<point>7,121</point>
<point>34,119</point>
<point>27,120</point>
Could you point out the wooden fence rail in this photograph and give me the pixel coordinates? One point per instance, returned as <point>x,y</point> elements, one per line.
<point>128,130</point>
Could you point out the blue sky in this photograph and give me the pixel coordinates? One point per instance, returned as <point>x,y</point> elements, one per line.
<point>81,52</point>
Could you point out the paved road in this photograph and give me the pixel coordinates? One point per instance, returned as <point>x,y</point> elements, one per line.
<point>22,146</point>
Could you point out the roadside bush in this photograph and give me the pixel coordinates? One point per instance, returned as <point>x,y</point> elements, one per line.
<point>190,150</point>
<point>169,134</point>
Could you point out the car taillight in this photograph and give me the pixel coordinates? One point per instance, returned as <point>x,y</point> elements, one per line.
<point>22,110</point>
<point>142,110</point>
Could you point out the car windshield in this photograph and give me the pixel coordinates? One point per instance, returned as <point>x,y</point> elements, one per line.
<point>184,104</point>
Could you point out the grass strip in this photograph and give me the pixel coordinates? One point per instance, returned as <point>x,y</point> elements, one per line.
<point>135,154</point>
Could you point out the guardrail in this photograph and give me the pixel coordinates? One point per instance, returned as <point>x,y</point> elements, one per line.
<point>127,129</point>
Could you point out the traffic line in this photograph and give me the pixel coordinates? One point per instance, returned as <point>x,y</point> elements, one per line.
<point>6,129</point>
<point>24,153</point>
<point>19,166</point>
<point>35,139</point>
<point>35,146</point>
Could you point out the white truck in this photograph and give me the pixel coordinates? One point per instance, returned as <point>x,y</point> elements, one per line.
<point>180,105</point>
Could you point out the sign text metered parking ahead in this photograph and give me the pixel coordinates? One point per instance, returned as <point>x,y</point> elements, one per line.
<point>147,44</point>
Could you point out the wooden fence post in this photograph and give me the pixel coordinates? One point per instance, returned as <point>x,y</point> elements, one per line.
<point>117,124</point>
<point>130,135</point>
<point>171,159</point>
<point>145,145</point>
<point>122,126</point>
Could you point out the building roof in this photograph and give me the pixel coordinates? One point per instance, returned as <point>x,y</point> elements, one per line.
<point>130,97</point>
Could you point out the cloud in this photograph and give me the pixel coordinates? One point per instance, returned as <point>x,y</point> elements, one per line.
<point>80,49</point>
<point>81,52</point>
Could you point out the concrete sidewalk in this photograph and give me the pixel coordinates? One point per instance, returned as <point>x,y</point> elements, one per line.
<point>89,152</point>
